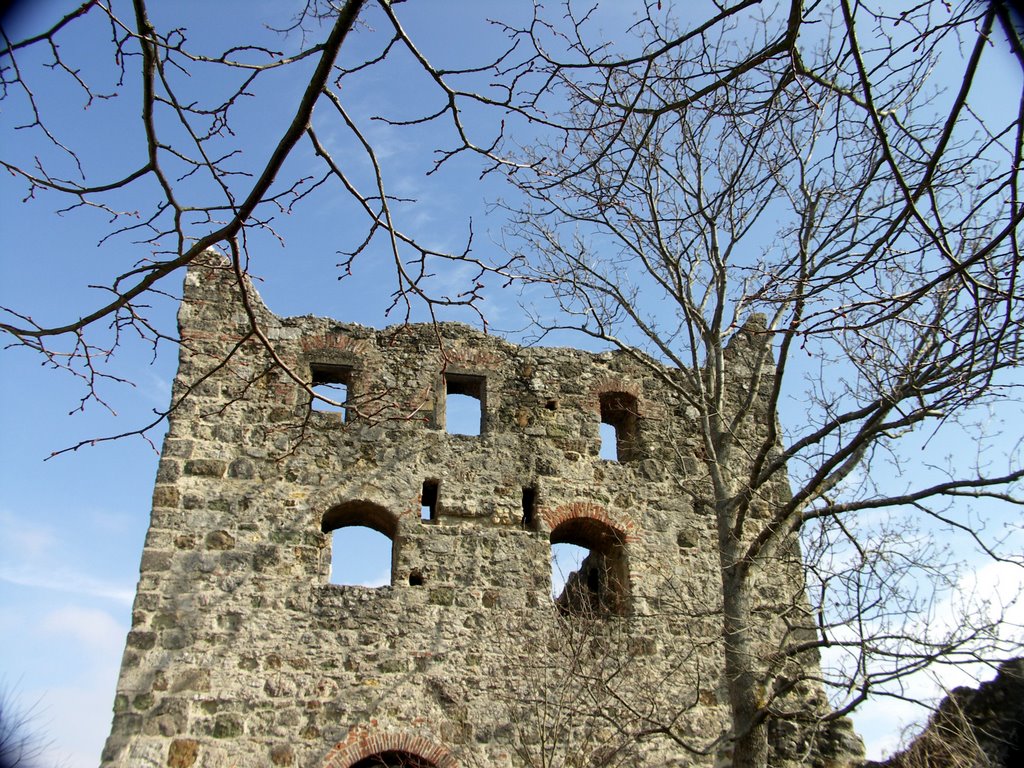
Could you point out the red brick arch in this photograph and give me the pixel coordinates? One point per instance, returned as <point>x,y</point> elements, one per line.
<point>607,384</point>
<point>326,343</point>
<point>554,517</point>
<point>364,742</point>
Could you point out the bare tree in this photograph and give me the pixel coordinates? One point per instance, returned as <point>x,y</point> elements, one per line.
<point>790,176</point>
<point>788,162</point>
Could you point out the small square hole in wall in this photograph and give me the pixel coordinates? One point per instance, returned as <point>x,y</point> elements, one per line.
<point>332,382</point>
<point>464,399</point>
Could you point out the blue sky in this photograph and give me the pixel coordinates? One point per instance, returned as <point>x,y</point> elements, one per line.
<point>72,527</point>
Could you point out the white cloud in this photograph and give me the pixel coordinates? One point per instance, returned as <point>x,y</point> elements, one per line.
<point>88,626</point>
<point>70,681</point>
<point>381,579</point>
<point>1001,586</point>
<point>882,722</point>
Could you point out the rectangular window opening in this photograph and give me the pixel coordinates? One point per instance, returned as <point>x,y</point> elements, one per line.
<point>529,508</point>
<point>428,501</point>
<point>464,404</point>
<point>332,382</point>
<point>619,422</point>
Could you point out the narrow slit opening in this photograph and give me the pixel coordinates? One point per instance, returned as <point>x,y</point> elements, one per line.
<point>619,427</point>
<point>529,508</point>
<point>428,501</point>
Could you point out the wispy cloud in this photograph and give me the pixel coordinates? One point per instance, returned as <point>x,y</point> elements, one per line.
<point>33,554</point>
<point>27,540</point>
<point>66,580</point>
<point>73,674</point>
<point>155,389</point>
<point>78,718</point>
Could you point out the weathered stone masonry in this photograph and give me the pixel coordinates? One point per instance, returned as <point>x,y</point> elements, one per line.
<point>241,653</point>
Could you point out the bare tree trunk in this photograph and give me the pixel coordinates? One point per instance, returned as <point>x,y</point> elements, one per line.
<point>750,731</point>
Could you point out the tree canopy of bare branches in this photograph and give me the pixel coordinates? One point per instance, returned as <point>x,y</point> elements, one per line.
<point>183,139</point>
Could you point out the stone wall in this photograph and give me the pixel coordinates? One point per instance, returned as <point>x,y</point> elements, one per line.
<point>242,653</point>
<point>979,727</point>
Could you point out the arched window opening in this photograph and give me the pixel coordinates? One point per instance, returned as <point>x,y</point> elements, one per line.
<point>394,759</point>
<point>589,573</point>
<point>464,404</point>
<point>332,382</point>
<point>619,431</point>
<point>362,544</point>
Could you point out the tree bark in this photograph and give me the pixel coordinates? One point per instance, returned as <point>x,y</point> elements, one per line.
<point>745,686</point>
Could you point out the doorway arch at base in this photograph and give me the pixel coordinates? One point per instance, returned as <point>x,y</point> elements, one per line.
<point>368,748</point>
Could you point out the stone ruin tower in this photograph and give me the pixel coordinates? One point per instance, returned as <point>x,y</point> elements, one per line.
<point>242,653</point>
